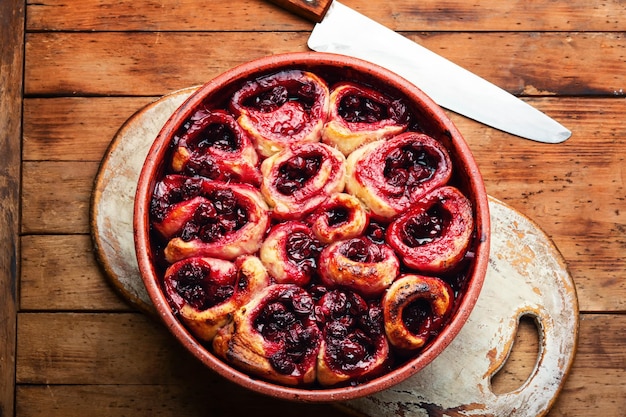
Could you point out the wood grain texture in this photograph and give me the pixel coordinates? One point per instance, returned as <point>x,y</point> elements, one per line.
<point>11,71</point>
<point>56,196</point>
<point>90,64</point>
<point>56,128</point>
<point>59,274</point>
<point>257,15</point>
<point>189,399</point>
<point>142,63</point>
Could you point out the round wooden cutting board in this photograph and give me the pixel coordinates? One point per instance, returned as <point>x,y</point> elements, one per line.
<point>527,277</point>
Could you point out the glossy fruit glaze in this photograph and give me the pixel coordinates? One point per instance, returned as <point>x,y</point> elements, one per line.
<point>316,231</point>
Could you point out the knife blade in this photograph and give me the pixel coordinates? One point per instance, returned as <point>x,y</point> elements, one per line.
<point>340,29</point>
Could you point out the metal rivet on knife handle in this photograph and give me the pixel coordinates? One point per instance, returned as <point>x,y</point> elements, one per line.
<point>313,10</point>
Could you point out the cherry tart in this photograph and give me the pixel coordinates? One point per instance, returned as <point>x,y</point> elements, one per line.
<point>341,216</point>
<point>302,226</point>
<point>354,345</point>
<point>275,336</point>
<point>389,175</point>
<point>360,115</point>
<point>208,218</point>
<point>359,264</point>
<point>282,109</point>
<point>415,308</point>
<point>434,235</point>
<point>299,178</point>
<point>215,146</point>
<point>290,253</point>
<point>206,291</point>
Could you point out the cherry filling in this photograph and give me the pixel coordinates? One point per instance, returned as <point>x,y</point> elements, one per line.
<point>218,136</point>
<point>339,305</point>
<point>419,319</point>
<point>215,218</point>
<point>338,215</point>
<point>303,250</point>
<point>409,166</point>
<point>295,172</point>
<point>375,232</point>
<point>192,283</point>
<point>359,109</point>
<point>425,227</point>
<point>269,100</point>
<point>283,322</point>
<point>361,250</point>
<point>272,98</point>
<point>352,330</point>
<point>210,130</point>
<point>171,191</point>
<point>215,136</point>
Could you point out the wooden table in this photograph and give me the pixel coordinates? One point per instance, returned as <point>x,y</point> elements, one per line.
<point>73,71</point>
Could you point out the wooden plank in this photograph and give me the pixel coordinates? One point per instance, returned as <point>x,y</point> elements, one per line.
<point>11,72</point>
<point>406,15</point>
<point>56,196</point>
<point>131,349</point>
<point>74,348</point>
<point>208,398</point>
<point>59,128</point>
<point>141,63</point>
<point>59,273</point>
<point>105,63</point>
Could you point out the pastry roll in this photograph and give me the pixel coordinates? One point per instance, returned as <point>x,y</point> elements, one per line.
<point>359,115</point>
<point>216,147</point>
<point>341,216</point>
<point>389,175</point>
<point>282,109</point>
<point>359,264</point>
<point>274,337</point>
<point>230,221</point>
<point>290,253</point>
<point>415,308</point>
<point>300,178</point>
<point>433,236</point>
<point>204,292</point>
<point>354,347</point>
<point>175,199</point>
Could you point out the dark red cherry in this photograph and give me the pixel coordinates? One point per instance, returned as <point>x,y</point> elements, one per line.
<point>426,227</point>
<point>191,284</point>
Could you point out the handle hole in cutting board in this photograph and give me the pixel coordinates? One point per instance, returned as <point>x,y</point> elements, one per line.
<point>522,358</point>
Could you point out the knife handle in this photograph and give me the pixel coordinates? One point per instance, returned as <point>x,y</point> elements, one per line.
<point>313,10</point>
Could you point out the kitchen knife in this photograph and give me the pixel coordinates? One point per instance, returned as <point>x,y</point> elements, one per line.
<point>342,30</point>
